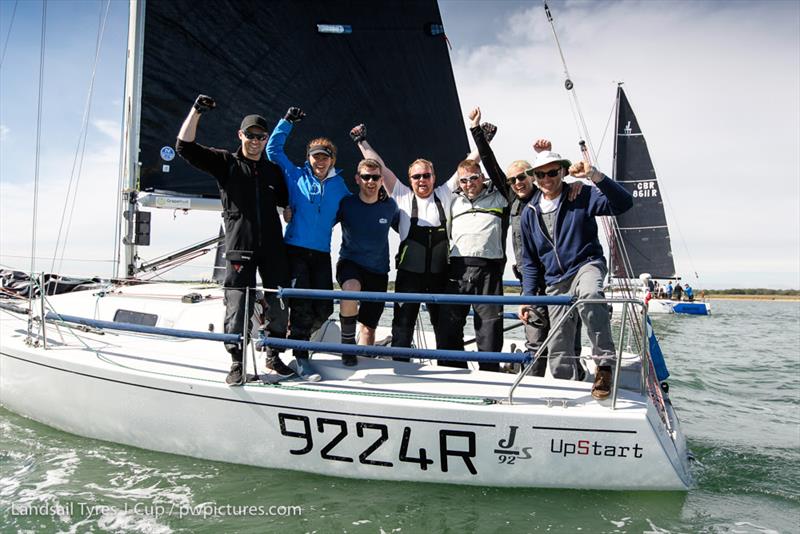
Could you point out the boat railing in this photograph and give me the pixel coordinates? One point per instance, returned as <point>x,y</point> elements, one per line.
<point>524,359</point>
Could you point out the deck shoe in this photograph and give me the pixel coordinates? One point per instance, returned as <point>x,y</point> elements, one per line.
<point>274,363</point>
<point>306,371</point>
<point>235,377</point>
<point>350,360</point>
<point>602,382</point>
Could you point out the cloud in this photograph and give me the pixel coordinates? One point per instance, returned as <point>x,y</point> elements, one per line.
<point>706,99</point>
<point>4,131</point>
<point>109,128</point>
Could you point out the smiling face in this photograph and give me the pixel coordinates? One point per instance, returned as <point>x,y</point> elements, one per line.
<point>369,181</point>
<point>470,179</point>
<point>253,141</point>
<point>521,182</point>
<point>422,179</point>
<point>320,164</point>
<point>551,186</point>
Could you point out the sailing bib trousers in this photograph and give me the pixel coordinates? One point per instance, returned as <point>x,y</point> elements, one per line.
<point>468,278</point>
<point>421,268</point>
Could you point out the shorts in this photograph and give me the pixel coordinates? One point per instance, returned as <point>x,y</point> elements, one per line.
<point>369,313</point>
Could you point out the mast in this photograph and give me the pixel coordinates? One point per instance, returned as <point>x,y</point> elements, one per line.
<point>130,162</point>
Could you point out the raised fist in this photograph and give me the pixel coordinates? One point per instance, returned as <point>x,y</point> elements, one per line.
<point>204,103</point>
<point>359,133</point>
<point>294,115</point>
<point>541,145</point>
<point>489,130</point>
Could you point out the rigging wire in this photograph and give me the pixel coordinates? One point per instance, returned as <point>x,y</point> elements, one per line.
<point>80,149</point>
<point>610,227</point>
<point>38,142</point>
<point>8,35</point>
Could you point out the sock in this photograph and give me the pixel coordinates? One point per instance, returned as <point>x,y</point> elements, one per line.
<point>348,329</point>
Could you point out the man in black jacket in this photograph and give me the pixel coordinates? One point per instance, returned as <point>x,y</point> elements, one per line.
<point>251,188</point>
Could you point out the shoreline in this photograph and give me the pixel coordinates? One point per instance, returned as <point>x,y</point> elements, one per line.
<point>784,298</point>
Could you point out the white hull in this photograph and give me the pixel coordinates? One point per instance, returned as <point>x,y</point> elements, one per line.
<point>381,420</point>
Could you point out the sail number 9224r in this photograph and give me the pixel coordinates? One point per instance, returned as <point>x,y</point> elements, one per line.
<point>369,439</point>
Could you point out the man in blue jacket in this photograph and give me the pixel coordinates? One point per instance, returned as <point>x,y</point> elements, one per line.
<point>559,238</point>
<point>315,189</point>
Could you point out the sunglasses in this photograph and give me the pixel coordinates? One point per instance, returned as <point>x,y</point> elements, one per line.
<point>521,176</point>
<point>467,179</point>
<point>368,177</point>
<point>424,175</point>
<point>251,136</point>
<point>552,173</point>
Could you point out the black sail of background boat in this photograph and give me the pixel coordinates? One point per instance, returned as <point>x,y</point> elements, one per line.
<point>641,243</point>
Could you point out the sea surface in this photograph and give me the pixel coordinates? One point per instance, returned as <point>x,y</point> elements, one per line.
<point>735,384</point>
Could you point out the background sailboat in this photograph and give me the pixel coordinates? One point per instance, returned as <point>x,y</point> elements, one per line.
<point>641,246</point>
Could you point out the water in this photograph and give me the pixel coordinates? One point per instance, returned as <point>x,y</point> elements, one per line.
<point>735,383</point>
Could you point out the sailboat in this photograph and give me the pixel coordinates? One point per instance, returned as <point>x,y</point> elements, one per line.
<point>142,364</point>
<point>641,248</point>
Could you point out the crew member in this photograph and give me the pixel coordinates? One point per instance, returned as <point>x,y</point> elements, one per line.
<point>315,190</point>
<point>251,188</point>
<point>364,257</point>
<point>479,219</point>
<point>559,237</point>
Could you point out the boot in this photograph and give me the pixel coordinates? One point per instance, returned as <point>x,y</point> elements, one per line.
<point>601,388</point>
<point>235,376</point>
<point>350,360</point>
<point>274,363</point>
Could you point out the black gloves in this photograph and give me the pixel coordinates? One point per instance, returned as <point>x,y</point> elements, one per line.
<point>489,130</point>
<point>204,103</point>
<point>294,115</point>
<point>359,133</point>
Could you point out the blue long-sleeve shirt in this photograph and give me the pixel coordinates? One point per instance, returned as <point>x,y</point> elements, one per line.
<point>314,203</point>
<point>574,241</point>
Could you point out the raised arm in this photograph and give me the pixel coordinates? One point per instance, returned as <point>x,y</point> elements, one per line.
<point>204,158</point>
<point>359,136</point>
<point>275,151</point>
<point>496,174</point>
<point>608,198</point>
<point>489,130</point>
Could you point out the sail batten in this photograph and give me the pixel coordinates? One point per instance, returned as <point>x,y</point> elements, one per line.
<point>643,229</point>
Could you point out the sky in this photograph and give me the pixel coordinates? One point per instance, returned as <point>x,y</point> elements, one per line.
<point>715,87</point>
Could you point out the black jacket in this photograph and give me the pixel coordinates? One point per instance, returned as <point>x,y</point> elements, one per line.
<point>250,192</point>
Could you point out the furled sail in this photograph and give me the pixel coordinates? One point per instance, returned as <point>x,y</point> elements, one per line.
<point>382,63</point>
<point>645,243</point>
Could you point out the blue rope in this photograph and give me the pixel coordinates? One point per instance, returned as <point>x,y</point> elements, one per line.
<point>365,296</point>
<point>143,329</point>
<point>403,352</point>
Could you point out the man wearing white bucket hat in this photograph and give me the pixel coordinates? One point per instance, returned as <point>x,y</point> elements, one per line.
<point>559,237</point>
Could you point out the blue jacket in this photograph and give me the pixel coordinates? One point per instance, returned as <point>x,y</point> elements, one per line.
<point>314,204</point>
<point>575,230</point>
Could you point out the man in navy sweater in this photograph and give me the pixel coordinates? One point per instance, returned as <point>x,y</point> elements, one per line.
<point>559,238</point>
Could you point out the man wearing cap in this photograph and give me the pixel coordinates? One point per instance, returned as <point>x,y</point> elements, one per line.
<point>423,211</point>
<point>315,190</point>
<point>559,238</point>
<point>251,188</point>
<point>364,256</point>
<point>536,319</point>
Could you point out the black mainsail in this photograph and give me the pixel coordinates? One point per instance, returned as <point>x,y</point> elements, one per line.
<point>383,63</point>
<point>642,230</point>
